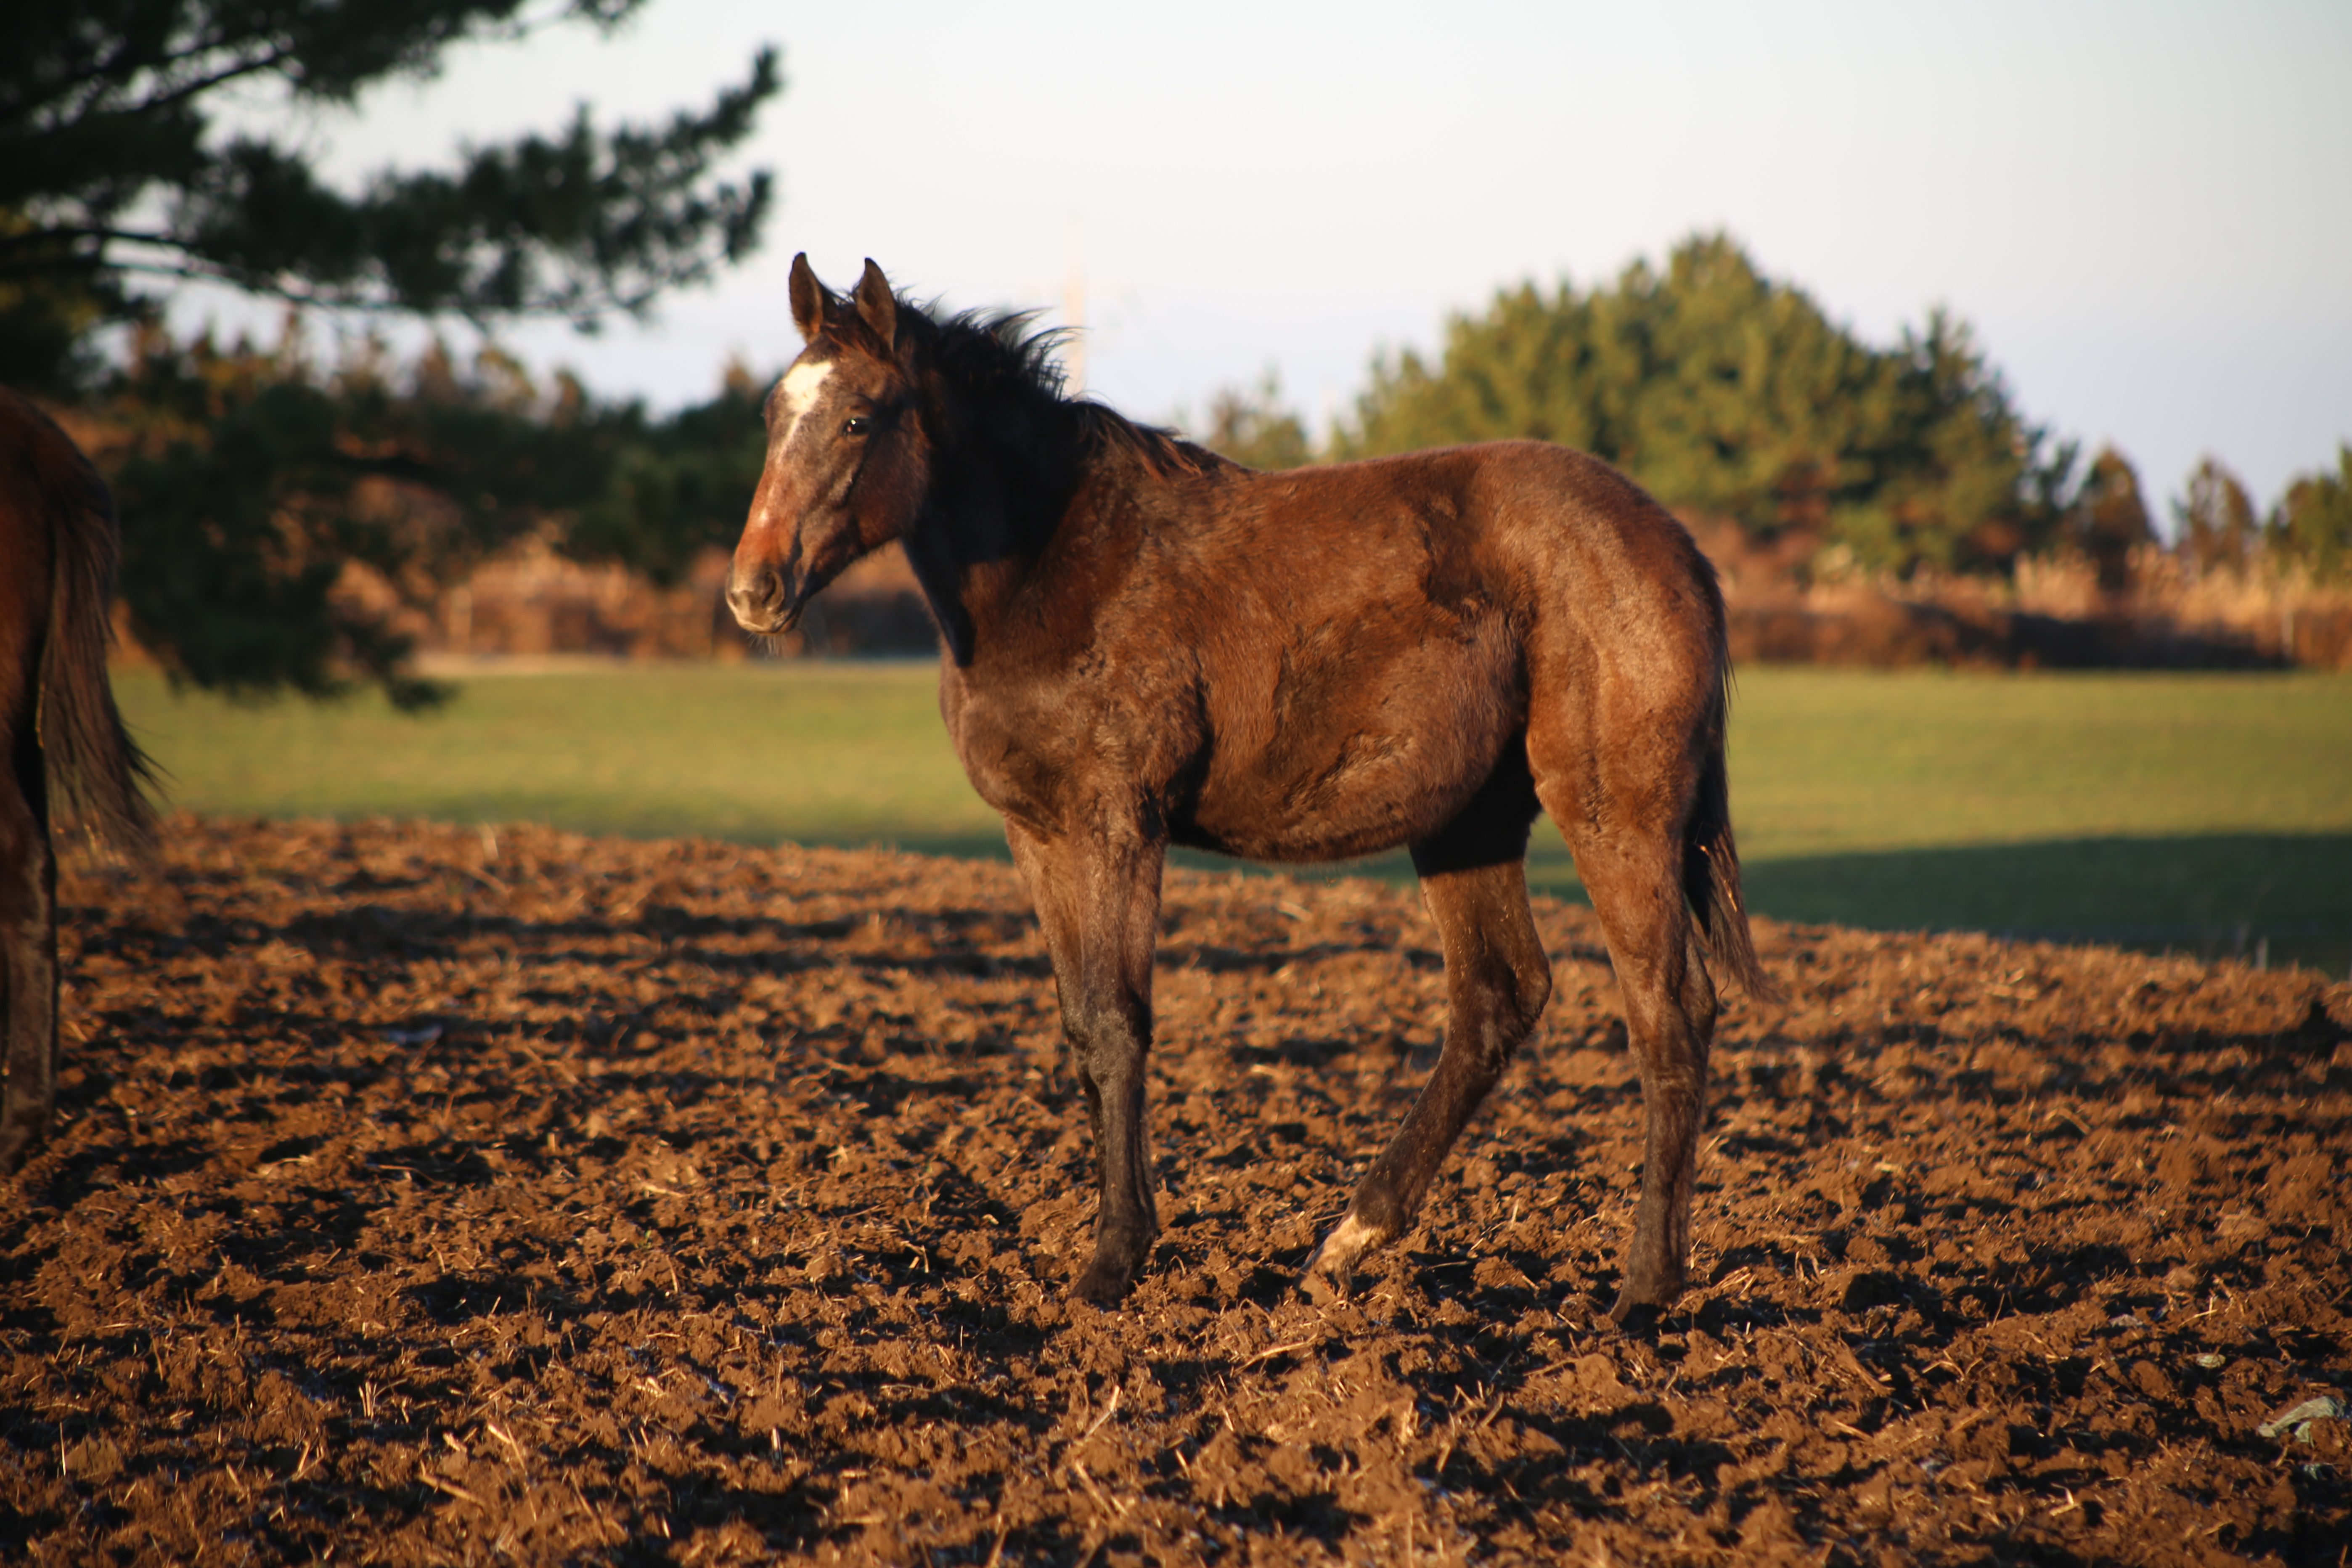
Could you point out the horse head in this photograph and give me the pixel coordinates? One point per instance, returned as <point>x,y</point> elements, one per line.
<point>847,455</point>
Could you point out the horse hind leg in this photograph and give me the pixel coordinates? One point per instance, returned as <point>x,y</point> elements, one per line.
<point>29,936</point>
<point>1474,881</point>
<point>1635,880</point>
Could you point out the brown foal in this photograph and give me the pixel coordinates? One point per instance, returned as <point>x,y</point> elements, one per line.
<point>1146,645</point>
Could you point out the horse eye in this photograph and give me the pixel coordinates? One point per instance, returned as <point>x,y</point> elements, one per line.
<point>856,425</point>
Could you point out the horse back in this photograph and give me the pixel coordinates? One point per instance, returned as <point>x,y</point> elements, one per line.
<point>1546,529</point>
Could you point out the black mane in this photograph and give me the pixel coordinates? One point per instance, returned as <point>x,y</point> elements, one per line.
<point>1001,356</point>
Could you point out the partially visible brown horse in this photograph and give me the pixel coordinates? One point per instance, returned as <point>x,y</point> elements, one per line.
<point>65,748</point>
<point>1145,644</point>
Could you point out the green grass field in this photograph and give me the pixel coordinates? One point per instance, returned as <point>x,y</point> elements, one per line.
<point>2207,812</point>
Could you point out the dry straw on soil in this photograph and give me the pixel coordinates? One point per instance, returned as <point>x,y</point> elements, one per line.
<point>427,1196</point>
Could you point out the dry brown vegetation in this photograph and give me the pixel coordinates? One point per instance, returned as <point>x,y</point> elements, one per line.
<point>1786,607</point>
<point>1793,605</point>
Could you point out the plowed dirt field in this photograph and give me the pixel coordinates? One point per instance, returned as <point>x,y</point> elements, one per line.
<point>426,1195</point>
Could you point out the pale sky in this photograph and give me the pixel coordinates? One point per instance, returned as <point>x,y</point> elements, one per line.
<point>2144,210</point>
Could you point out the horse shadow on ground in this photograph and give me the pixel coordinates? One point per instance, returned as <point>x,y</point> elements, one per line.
<point>2283,897</point>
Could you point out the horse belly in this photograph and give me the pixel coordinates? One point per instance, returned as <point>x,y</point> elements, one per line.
<point>1374,815</point>
<point>1351,760</point>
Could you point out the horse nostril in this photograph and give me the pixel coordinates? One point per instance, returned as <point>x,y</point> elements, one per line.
<point>754,597</point>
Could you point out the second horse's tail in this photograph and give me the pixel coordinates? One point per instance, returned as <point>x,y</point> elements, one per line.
<point>97,775</point>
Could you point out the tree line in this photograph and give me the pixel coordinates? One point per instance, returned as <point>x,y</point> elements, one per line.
<point>252,478</point>
<point>1729,394</point>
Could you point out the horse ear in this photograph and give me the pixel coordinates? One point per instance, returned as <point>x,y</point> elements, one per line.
<point>809,299</point>
<point>876,303</point>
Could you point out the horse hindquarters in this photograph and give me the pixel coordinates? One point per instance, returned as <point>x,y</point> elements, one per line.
<point>1628,787</point>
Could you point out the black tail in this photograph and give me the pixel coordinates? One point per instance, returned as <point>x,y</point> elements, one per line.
<point>97,776</point>
<point>1711,872</point>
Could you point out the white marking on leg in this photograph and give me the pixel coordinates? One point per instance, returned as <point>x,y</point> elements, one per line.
<point>1334,1262</point>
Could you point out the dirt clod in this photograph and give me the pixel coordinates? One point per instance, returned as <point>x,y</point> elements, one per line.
<point>424,1197</point>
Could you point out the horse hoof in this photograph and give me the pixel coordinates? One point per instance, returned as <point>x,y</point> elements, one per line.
<point>1636,1318</point>
<point>1638,1312</point>
<point>1331,1273</point>
<point>1324,1289</point>
<point>1103,1284</point>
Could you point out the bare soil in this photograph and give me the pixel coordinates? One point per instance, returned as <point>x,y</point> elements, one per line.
<point>425,1195</point>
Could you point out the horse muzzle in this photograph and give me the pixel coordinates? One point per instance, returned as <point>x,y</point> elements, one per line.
<point>764,601</point>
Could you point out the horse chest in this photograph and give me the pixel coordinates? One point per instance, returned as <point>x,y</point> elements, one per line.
<point>1047,750</point>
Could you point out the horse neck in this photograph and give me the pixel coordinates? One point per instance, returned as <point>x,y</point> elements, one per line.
<point>1000,498</point>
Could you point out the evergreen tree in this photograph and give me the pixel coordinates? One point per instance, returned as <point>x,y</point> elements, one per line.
<point>678,485</point>
<point>249,481</point>
<point>1724,392</point>
<point>2110,519</point>
<point>2313,522</point>
<point>1256,429</point>
<point>110,173</point>
<point>2216,528</point>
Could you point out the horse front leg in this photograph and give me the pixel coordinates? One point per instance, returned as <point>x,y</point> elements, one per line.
<point>1098,899</point>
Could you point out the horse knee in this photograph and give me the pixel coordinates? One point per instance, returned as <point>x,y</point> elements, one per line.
<point>1104,1033</point>
<point>1533,985</point>
<point>1110,1071</point>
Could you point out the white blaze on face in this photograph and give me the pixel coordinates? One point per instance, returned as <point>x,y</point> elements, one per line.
<point>800,390</point>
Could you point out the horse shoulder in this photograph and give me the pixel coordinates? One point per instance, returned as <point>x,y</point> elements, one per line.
<point>1053,741</point>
